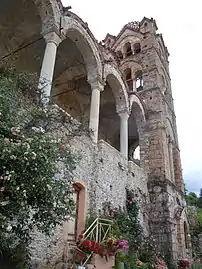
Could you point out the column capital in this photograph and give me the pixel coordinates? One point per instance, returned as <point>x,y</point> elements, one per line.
<point>52,37</point>
<point>96,83</point>
<point>123,114</point>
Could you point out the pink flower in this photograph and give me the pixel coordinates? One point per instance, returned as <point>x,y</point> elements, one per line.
<point>6,140</point>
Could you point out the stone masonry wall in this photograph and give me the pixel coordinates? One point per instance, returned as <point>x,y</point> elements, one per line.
<point>105,174</point>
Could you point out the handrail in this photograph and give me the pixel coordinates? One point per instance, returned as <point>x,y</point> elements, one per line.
<point>90,226</point>
<point>97,231</point>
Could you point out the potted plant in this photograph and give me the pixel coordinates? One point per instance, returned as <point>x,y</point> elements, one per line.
<point>183,264</point>
<point>112,247</point>
<point>85,248</point>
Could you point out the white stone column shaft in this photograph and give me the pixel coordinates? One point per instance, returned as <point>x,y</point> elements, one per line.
<point>96,87</point>
<point>48,65</point>
<point>134,85</point>
<point>124,133</point>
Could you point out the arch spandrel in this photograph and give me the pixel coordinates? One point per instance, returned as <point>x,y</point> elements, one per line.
<point>50,14</point>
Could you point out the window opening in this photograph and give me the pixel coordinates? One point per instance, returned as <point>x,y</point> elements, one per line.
<point>137,48</point>
<point>128,49</point>
<point>128,78</point>
<point>139,80</point>
<point>120,55</point>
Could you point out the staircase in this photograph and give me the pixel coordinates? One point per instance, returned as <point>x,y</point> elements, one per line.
<point>98,231</point>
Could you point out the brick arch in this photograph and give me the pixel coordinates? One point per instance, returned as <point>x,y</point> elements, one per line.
<point>137,107</point>
<point>133,38</point>
<point>169,129</point>
<point>113,77</point>
<point>136,122</point>
<point>133,65</point>
<point>86,45</point>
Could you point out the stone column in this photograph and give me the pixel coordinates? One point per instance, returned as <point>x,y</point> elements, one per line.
<point>124,133</point>
<point>97,86</point>
<point>48,65</point>
<point>134,85</point>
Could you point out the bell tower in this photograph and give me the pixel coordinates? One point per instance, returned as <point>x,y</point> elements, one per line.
<point>143,61</point>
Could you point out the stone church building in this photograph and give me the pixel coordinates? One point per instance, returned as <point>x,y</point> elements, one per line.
<point>120,88</point>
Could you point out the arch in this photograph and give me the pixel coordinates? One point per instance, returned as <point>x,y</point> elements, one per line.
<point>137,117</point>
<point>86,46</point>
<point>170,143</point>
<point>132,64</point>
<point>113,77</point>
<point>137,106</point>
<point>135,37</point>
<point>169,129</point>
<point>165,77</point>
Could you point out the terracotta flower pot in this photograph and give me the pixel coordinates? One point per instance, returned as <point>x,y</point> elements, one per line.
<point>79,256</point>
<point>103,252</point>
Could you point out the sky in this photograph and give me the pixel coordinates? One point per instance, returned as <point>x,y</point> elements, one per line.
<point>180,23</point>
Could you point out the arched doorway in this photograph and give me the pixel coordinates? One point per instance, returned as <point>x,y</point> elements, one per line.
<point>77,222</point>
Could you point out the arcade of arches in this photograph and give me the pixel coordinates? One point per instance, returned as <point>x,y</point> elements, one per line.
<point>68,74</point>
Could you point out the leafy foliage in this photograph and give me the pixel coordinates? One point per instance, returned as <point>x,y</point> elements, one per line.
<point>126,221</point>
<point>195,218</point>
<point>35,167</point>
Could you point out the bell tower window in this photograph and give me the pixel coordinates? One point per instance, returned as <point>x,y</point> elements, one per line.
<point>139,81</point>
<point>128,49</point>
<point>137,48</point>
<point>128,78</point>
<point>120,55</point>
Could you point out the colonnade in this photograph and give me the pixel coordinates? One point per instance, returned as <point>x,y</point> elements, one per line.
<point>97,86</point>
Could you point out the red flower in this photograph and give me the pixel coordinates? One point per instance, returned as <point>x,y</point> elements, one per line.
<point>92,243</point>
<point>81,236</point>
<point>91,248</point>
<point>96,250</point>
<point>85,243</point>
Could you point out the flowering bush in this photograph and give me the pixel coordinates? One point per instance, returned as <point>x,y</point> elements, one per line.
<point>160,263</point>
<point>112,247</point>
<point>30,157</point>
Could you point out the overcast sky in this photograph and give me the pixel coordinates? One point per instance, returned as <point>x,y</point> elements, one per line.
<point>180,23</point>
